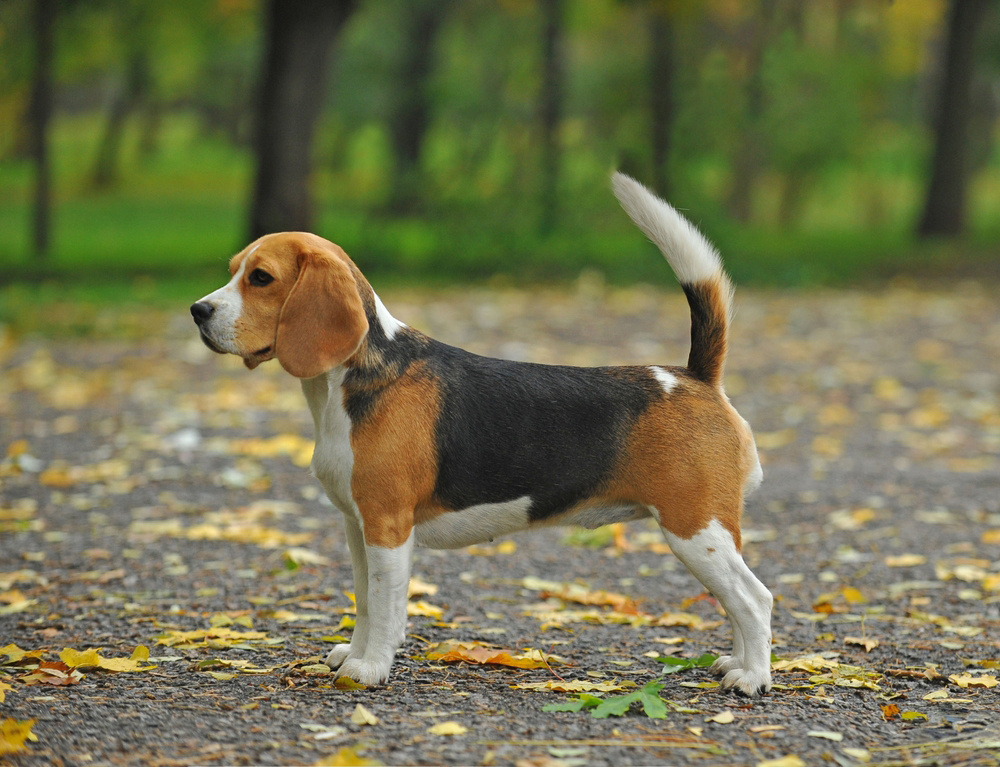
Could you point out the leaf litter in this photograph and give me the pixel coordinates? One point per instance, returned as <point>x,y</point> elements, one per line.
<point>823,405</point>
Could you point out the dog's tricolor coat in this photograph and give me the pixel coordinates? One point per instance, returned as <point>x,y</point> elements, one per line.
<point>420,443</point>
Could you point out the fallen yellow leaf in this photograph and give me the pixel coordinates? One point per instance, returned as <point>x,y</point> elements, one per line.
<point>76,659</point>
<point>723,717</point>
<point>868,643</point>
<point>968,680</point>
<point>942,696</point>
<point>13,733</point>
<point>905,560</point>
<point>420,588</point>
<point>826,735</point>
<point>791,760</point>
<point>810,663</point>
<point>448,728</point>
<point>480,654</point>
<point>347,757</point>
<point>15,653</point>
<point>362,716</point>
<point>421,607</point>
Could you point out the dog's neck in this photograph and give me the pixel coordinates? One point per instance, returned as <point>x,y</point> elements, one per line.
<point>387,350</point>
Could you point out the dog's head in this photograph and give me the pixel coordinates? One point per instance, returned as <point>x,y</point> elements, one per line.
<point>293,296</point>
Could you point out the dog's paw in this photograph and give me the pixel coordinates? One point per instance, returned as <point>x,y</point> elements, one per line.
<point>748,682</point>
<point>336,657</point>
<point>366,672</point>
<point>722,666</point>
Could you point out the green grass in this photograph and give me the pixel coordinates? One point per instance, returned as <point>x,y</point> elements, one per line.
<point>164,235</point>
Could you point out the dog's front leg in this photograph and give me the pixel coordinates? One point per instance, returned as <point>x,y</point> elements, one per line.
<point>359,563</point>
<point>388,581</point>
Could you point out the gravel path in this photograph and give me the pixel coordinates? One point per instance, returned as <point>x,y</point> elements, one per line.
<point>151,489</point>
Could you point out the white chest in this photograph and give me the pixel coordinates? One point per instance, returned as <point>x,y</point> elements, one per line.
<point>333,459</point>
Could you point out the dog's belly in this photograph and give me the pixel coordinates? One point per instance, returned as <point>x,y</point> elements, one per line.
<point>595,516</point>
<point>477,524</point>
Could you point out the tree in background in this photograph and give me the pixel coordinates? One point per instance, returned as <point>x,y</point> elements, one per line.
<point>128,97</point>
<point>299,38</point>
<point>410,110</point>
<point>662,106</point>
<point>39,117</point>
<point>944,206</point>
<point>755,36</point>
<point>550,107</point>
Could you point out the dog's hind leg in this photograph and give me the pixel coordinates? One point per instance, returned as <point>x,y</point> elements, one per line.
<point>713,558</point>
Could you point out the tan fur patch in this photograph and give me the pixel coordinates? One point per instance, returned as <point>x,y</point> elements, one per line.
<point>395,457</point>
<point>687,457</point>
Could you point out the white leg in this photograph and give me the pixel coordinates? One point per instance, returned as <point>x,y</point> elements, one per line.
<point>359,563</point>
<point>726,663</point>
<point>712,557</point>
<point>388,579</point>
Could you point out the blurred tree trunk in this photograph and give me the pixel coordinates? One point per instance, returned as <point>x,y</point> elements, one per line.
<point>944,206</point>
<point>550,110</point>
<point>410,114</point>
<point>39,117</point>
<point>152,122</point>
<point>749,151</point>
<point>300,34</point>
<point>107,171</point>
<point>661,95</point>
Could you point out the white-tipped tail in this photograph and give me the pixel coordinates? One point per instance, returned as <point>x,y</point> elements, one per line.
<point>698,268</point>
<point>689,254</point>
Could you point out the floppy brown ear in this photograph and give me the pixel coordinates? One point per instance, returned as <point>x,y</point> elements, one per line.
<point>323,321</point>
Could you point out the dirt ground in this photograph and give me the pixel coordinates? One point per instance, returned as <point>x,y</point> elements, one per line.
<point>155,497</point>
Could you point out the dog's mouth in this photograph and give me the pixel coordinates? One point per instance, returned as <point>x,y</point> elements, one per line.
<point>209,342</point>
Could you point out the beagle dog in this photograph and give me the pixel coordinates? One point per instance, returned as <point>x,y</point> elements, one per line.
<point>422,444</point>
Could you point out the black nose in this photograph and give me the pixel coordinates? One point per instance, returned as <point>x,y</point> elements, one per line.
<point>201,312</point>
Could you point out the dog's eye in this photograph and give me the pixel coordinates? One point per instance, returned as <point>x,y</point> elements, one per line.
<point>260,278</point>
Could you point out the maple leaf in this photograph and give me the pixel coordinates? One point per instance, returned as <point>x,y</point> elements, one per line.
<point>601,708</point>
<point>672,665</point>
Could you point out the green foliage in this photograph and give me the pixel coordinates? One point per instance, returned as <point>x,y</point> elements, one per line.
<point>647,697</point>
<point>840,143</point>
<point>672,665</point>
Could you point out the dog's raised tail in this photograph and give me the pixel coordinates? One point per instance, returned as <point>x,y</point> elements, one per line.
<point>698,268</point>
